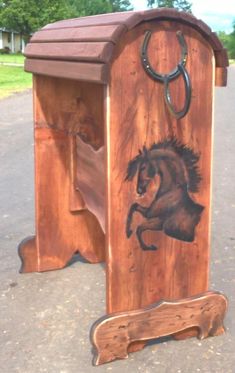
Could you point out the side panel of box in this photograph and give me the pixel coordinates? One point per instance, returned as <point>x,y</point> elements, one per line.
<point>164,252</point>
<point>66,112</point>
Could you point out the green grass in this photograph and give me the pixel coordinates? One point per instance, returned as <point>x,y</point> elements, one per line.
<point>231,62</point>
<point>12,58</point>
<point>13,79</point>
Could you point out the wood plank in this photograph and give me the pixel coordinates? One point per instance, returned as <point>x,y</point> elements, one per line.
<point>221,58</point>
<point>111,335</point>
<point>91,178</point>
<point>138,117</point>
<point>110,33</point>
<point>221,76</point>
<point>76,202</point>
<point>129,18</point>
<point>174,15</point>
<point>59,232</point>
<point>90,72</point>
<point>95,52</point>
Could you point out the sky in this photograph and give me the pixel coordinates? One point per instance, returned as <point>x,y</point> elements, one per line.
<point>219,15</point>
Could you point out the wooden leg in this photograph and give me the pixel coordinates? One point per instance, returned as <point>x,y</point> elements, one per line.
<point>28,254</point>
<point>63,225</point>
<point>111,335</point>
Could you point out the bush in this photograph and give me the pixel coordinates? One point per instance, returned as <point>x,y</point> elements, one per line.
<point>5,50</point>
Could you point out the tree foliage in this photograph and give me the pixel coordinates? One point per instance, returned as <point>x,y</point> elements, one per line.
<point>231,44</point>
<point>228,41</point>
<point>27,16</point>
<point>91,7</point>
<point>178,4</point>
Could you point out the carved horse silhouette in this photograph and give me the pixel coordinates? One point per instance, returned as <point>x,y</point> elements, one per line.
<point>172,209</point>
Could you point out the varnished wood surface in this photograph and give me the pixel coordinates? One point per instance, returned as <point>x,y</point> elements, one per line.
<point>63,225</point>
<point>111,335</point>
<point>91,52</point>
<point>90,72</point>
<point>77,202</point>
<point>27,251</point>
<point>85,34</point>
<point>221,76</point>
<point>91,179</point>
<point>138,117</point>
<point>100,19</point>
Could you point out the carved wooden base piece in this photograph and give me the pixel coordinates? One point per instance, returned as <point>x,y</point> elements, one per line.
<point>28,255</point>
<point>111,335</point>
<point>34,260</point>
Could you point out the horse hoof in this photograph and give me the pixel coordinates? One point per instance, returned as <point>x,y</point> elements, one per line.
<point>129,233</point>
<point>150,248</point>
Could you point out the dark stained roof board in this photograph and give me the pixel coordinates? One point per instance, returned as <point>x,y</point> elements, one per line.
<point>91,41</point>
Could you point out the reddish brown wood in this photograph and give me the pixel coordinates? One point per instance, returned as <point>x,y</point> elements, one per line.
<point>59,232</point>
<point>89,34</point>
<point>90,179</point>
<point>28,249</point>
<point>90,72</point>
<point>138,116</point>
<point>111,335</point>
<point>221,76</point>
<point>129,18</point>
<point>76,200</point>
<point>221,58</point>
<point>95,52</point>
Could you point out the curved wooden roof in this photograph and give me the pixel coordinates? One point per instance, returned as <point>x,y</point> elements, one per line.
<point>82,48</point>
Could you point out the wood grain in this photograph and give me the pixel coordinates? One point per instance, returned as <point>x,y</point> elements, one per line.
<point>77,202</point>
<point>90,179</point>
<point>89,72</point>
<point>221,76</point>
<point>85,34</point>
<point>111,335</point>
<point>60,232</point>
<point>131,18</point>
<point>138,116</point>
<point>93,51</point>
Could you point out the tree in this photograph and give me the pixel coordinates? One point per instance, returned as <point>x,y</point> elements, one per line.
<point>228,41</point>
<point>224,38</point>
<point>91,7</point>
<point>27,16</point>
<point>178,4</point>
<point>231,44</point>
<point>120,5</point>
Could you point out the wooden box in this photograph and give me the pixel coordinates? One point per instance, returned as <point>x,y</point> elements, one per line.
<point>123,112</point>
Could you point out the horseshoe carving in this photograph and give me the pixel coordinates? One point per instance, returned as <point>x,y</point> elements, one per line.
<point>167,78</point>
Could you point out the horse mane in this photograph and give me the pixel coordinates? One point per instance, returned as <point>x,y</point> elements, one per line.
<point>189,157</point>
<point>133,166</point>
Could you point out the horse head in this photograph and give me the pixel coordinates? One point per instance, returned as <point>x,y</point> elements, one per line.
<point>146,170</point>
<point>169,155</point>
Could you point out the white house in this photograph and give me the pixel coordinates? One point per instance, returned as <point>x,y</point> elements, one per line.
<point>12,40</point>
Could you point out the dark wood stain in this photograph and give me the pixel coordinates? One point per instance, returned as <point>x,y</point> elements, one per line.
<point>172,209</point>
<point>64,225</point>
<point>158,320</point>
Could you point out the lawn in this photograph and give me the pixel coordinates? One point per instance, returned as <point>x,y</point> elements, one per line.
<point>13,79</point>
<point>12,58</point>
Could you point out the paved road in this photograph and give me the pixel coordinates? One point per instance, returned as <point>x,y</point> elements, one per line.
<point>45,318</point>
